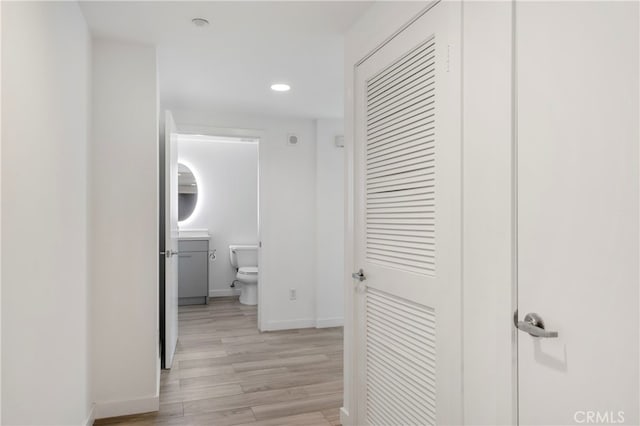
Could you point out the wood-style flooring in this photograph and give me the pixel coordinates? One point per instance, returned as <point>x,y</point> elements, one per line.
<point>225,372</point>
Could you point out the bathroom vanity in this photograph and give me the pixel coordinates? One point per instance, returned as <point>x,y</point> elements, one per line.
<point>193,270</point>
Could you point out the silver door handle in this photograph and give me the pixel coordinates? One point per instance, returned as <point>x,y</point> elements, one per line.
<point>534,325</point>
<point>359,275</point>
<point>168,253</point>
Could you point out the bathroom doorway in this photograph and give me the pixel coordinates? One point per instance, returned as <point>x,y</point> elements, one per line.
<point>218,208</point>
<point>225,173</point>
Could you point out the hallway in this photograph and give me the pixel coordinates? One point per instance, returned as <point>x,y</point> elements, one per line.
<point>226,372</point>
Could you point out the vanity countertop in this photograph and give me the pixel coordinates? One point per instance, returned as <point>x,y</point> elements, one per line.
<point>194,235</point>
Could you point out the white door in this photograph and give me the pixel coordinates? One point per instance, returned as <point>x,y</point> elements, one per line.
<point>407,225</point>
<point>577,143</point>
<point>171,239</point>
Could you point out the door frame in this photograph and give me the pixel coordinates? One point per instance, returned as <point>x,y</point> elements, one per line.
<point>239,133</point>
<point>488,190</point>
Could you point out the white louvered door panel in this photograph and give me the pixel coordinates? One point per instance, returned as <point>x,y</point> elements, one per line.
<point>400,169</point>
<point>407,150</point>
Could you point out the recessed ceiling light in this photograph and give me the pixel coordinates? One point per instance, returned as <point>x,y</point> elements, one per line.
<point>280,87</point>
<point>200,22</point>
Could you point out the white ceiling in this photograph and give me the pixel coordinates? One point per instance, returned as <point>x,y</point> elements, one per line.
<point>231,63</point>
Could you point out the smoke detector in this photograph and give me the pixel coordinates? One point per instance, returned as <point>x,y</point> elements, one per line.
<point>200,22</point>
<point>292,139</point>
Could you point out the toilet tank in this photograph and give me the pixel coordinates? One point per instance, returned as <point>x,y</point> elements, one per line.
<point>243,255</point>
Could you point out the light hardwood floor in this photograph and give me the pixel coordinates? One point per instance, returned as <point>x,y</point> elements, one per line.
<point>226,372</point>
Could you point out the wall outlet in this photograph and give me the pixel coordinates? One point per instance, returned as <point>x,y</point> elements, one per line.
<point>292,294</point>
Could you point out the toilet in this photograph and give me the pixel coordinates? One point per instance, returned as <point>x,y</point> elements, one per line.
<point>245,260</point>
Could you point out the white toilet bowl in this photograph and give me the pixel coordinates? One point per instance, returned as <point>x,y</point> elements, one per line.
<point>245,260</point>
<point>248,277</point>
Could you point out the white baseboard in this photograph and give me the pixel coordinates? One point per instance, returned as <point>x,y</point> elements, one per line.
<point>345,419</point>
<point>224,292</point>
<point>91,417</point>
<point>124,408</point>
<point>329,322</point>
<point>303,323</point>
<point>289,324</point>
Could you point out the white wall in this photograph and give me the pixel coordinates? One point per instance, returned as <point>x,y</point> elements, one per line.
<point>287,212</point>
<point>487,226</point>
<point>329,224</point>
<point>227,206</point>
<point>124,226</point>
<point>489,377</point>
<point>45,113</point>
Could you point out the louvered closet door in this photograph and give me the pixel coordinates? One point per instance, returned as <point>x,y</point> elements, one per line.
<point>407,223</point>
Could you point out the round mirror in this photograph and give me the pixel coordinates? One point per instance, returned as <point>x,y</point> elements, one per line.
<point>187,192</point>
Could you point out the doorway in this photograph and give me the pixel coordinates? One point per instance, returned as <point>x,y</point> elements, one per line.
<point>218,185</point>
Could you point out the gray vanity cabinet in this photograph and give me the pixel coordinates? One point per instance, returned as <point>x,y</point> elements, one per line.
<point>193,272</point>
